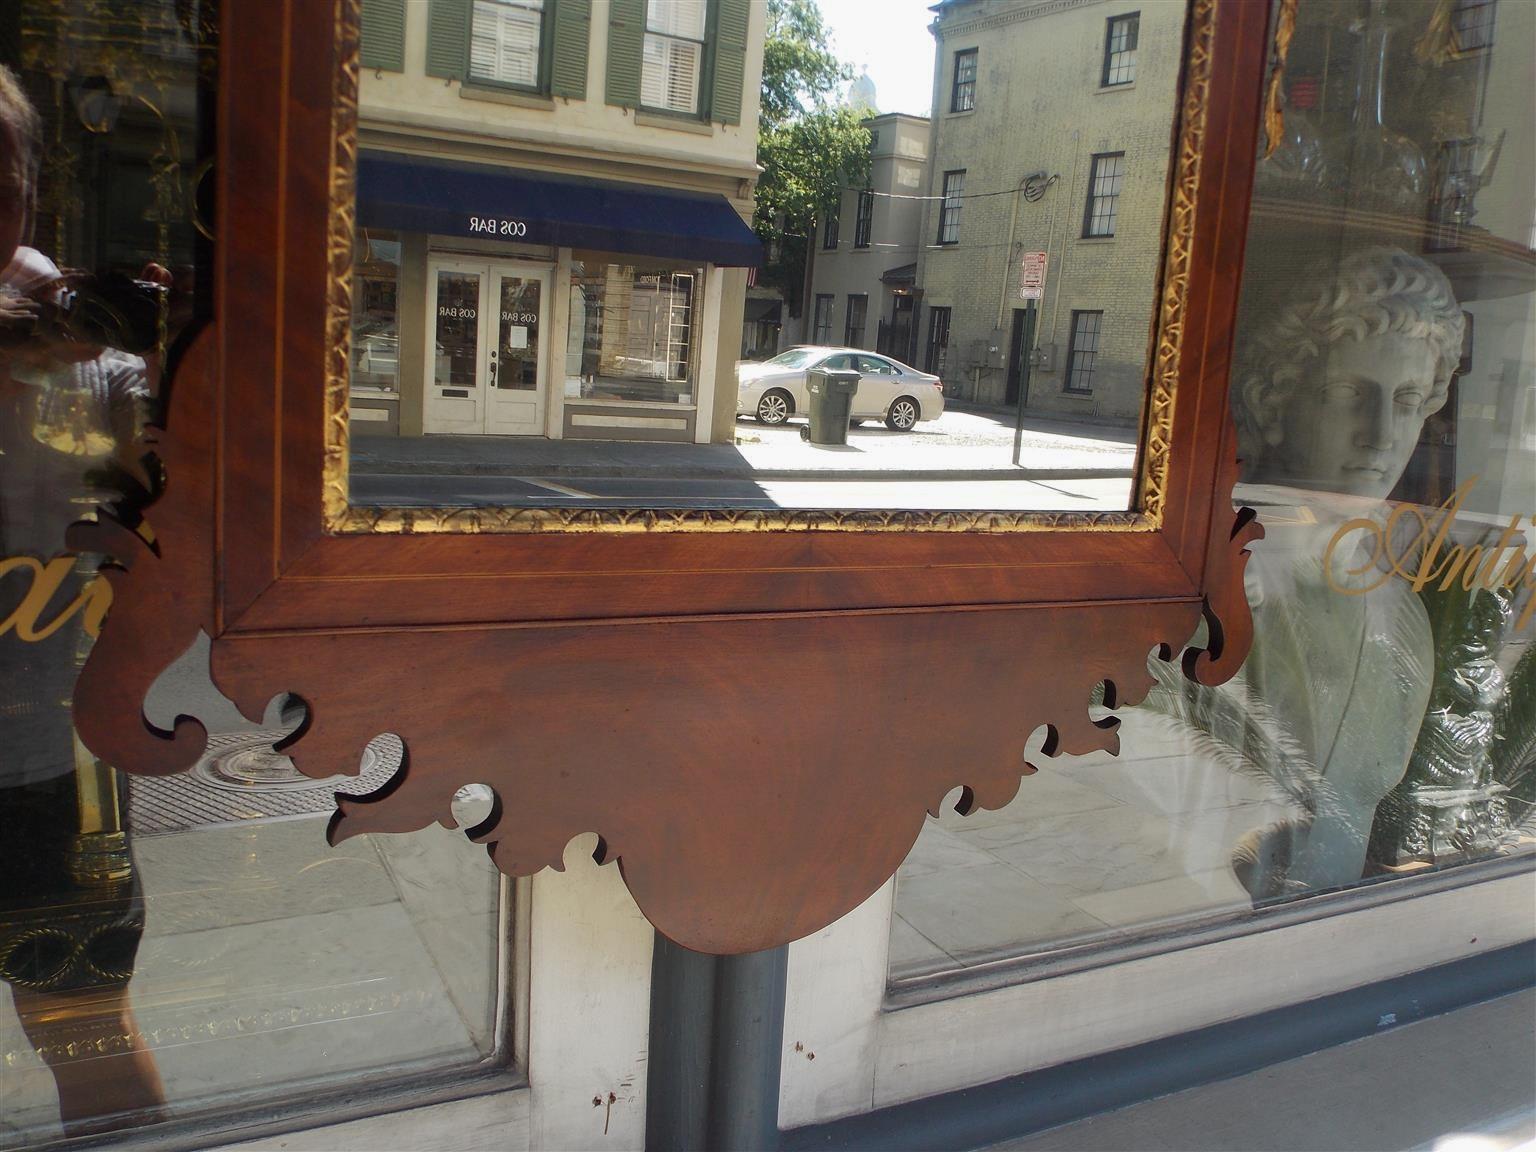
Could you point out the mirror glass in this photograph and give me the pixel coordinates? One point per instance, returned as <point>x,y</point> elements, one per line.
<point>728,254</point>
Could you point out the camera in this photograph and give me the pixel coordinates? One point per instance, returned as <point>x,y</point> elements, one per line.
<point>114,310</point>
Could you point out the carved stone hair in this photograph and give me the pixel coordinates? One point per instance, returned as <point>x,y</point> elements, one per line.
<point>1369,292</point>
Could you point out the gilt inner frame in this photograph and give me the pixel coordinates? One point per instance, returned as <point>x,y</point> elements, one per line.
<point>341,517</point>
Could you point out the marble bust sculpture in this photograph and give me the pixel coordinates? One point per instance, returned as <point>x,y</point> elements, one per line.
<point>1335,387</point>
<point>1340,367</point>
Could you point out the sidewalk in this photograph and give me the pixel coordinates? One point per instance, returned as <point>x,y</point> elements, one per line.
<point>975,446</point>
<point>1461,1082</point>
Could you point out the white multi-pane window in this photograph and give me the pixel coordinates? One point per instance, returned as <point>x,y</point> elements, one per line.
<point>1104,182</point>
<point>1472,22</point>
<point>673,61</point>
<point>505,38</point>
<point>1120,49</point>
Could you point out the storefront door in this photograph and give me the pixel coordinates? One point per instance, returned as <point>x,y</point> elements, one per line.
<point>486,368</point>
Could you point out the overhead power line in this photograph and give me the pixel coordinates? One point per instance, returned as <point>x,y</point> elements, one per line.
<point>1036,184</point>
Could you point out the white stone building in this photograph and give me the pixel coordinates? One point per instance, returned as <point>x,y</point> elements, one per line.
<point>863,280</point>
<point>553,198</point>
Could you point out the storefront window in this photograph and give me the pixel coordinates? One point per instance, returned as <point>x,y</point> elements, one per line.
<point>632,333</point>
<point>1384,387</point>
<point>185,944</point>
<point>375,315</point>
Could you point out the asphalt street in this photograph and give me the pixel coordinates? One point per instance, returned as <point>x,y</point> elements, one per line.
<point>414,490</point>
<point>963,461</point>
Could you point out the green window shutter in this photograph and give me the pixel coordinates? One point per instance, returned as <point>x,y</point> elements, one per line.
<point>383,35</point>
<point>626,45</point>
<point>568,60</point>
<point>730,61</point>
<point>447,38</point>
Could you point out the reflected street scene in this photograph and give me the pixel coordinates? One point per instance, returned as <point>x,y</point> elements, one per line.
<point>959,460</point>
<point>904,274</point>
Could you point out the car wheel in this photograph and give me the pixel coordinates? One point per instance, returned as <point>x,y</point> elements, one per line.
<point>902,414</point>
<point>775,407</point>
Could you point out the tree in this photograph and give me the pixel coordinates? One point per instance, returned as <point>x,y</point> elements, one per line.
<point>809,148</point>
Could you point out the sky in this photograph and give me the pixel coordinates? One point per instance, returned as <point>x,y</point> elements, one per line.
<point>890,38</point>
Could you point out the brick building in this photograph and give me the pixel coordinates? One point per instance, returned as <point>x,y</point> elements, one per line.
<point>1051,133</point>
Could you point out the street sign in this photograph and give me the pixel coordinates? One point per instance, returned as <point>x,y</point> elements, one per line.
<point>1032,276</point>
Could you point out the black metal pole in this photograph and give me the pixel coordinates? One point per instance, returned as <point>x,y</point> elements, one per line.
<point>1027,340</point>
<point>717,1036</point>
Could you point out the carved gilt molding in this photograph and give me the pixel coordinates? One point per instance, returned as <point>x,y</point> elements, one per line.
<point>1157,438</point>
<point>339,250</point>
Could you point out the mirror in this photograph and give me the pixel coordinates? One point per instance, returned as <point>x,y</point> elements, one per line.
<point>597,264</point>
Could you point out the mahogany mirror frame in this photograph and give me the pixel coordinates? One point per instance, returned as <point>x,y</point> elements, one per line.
<point>634,638</point>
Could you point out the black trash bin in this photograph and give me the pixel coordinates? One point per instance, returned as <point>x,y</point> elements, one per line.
<point>831,393</point>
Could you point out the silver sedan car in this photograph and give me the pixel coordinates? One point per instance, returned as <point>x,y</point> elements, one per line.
<point>889,390</point>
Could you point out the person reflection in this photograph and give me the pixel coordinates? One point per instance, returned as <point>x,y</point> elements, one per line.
<point>71,917</point>
<point>1340,369</point>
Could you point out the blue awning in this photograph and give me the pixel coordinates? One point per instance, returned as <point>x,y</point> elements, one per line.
<point>452,198</point>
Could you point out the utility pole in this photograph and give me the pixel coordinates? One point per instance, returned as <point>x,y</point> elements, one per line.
<point>1031,289</point>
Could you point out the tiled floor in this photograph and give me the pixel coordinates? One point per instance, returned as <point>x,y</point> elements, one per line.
<point>1090,847</point>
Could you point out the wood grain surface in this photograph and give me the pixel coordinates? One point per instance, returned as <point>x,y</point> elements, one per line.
<point>755,777</point>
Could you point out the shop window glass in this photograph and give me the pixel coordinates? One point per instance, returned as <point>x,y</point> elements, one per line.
<point>375,312</point>
<point>673,60</point>
<point>504,41</point>
<point>1383,727</point>
<point>171,946</point>
<point>636,327</point>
